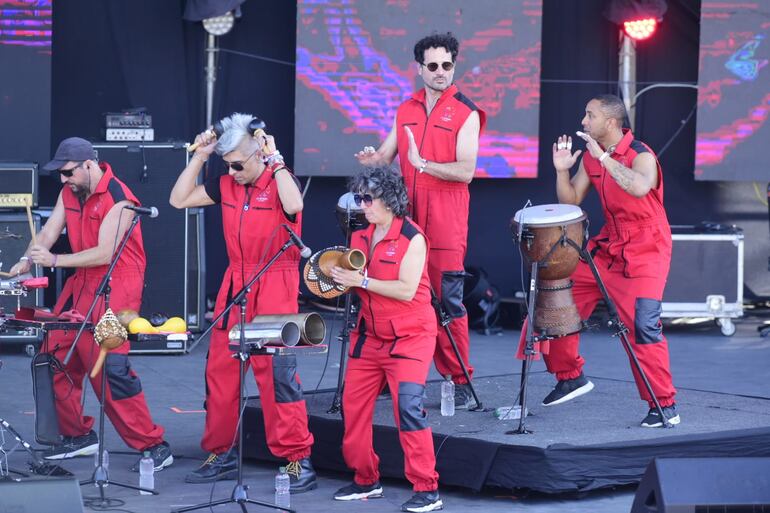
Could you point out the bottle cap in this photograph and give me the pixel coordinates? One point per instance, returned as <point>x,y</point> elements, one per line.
<point>282,470</point>
<point>146,454</point>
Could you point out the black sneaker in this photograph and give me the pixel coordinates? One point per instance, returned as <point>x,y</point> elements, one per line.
<point>72,446</point>
<point>302,476</point>
<point>567,390</point>
<point>653,417</point>
<point>161,455</point>
<point>355,492</point>
<point>216,467</point>
<point>463,397</point>
<point>423,501</point>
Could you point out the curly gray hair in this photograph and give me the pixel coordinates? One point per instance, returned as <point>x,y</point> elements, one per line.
<point>235,130</point>
<point>383,183</point>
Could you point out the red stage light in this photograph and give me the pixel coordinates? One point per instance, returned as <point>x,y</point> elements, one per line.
<point>640,29</point>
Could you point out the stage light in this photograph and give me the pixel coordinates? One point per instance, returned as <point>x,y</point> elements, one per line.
<point>639,30</point>
<point>219,25</point>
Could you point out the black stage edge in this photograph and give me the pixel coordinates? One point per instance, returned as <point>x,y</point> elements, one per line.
<point>589,443</point>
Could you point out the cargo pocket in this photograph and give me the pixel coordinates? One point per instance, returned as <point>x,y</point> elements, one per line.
<point>123,383</point>
<point>647,326</point>
<point>452,293</point>
<point>285,384</point>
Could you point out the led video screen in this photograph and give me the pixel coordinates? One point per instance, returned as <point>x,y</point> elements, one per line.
<point>733,92</point>
<point>355,65</point>
<point>25,87</point>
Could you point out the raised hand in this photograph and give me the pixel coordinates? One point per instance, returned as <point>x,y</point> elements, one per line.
<point>591,145</point>
<point>414,153</point>
<point>206,142</point>
<point>368,157</point>
<point>563,158</point>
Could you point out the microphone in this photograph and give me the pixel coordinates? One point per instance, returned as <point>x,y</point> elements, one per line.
<point>146,211</point>
<point>304,251</point>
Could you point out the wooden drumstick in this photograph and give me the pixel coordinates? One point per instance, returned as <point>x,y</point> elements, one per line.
<point>29,218</point>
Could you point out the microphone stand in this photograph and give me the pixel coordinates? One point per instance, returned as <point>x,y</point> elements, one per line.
<point>239,494</point>
<point>100,477</point>
<point>344,336</point>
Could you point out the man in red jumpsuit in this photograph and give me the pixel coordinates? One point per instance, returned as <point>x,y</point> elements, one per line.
<point>257,196</point>
<point>436,136</point>
<point>632,251</point>
<point>393,344</point>
<point>92,207</point>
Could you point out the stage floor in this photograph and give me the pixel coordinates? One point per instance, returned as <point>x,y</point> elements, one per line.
<point>717,377</point>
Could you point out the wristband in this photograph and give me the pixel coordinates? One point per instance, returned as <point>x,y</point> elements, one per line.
<point>604,156</point>
<point>53,264</point>
<point>365,281</point>
<point>424,164</point>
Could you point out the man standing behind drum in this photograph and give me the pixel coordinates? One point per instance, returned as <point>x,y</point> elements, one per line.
<point>632,251</point>
<point>437,171</point>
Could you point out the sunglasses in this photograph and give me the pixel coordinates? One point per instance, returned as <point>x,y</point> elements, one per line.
<point>366,198</point>
<point>433,66</point>
<point>67,173</point>
<point>238,165</point>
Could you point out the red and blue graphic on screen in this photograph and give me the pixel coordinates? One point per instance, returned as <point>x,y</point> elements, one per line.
<point>733,92</point>
<point>26,23</point>
<point>355,65</point>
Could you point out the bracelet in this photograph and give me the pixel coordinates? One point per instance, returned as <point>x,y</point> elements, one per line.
<point>273,158</point>
<point>424,164</point>
<point>53,264</point>
<point>365,281</point>
<point>604,156</point>
<point>200,157</point>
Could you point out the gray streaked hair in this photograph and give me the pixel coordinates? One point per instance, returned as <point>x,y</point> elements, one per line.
<point>384,183</point>
<point>235,129</point>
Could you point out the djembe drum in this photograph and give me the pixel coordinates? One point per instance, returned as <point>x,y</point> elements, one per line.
<point>542,232</point>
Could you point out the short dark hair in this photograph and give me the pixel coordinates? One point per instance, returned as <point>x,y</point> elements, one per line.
<point>613,107</point>
<point>384,183</point>
<point>447,41</point>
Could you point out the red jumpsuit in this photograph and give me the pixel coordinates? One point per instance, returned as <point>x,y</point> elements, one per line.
<point>394,344</point>
<point>632,253</point>
<point>440,208</point>
<point>251,219</point>
<point>125,404</point>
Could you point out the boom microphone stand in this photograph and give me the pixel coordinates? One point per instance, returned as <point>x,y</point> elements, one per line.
<point>239,494</point>
<point>100,477</point>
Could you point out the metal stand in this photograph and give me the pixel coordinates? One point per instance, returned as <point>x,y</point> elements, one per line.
<point>344,338</point>
<point>100,477</point>
<point>614,322</point>
<point>240,494</point>
<point>444,319</point>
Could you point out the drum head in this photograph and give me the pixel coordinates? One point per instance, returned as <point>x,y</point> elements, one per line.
<point>350,216</point>
<point>556,213</point>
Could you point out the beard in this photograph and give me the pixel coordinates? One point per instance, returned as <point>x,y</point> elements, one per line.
<point>80,192</point>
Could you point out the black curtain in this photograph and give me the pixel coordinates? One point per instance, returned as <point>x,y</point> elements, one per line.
<point>141,53</point>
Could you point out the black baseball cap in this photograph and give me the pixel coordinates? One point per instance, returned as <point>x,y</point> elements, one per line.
<point>71,149</point>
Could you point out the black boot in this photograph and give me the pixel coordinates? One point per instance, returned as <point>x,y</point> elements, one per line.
<point>301,475</point>
<point>215,468</point>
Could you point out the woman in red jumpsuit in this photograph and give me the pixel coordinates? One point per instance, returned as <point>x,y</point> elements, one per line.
<point>393,344</point>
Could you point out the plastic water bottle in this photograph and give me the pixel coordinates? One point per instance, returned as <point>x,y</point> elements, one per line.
<point>448,397</point>
<point>146,473</point>
<point>105,459</point>
<point>282,494</point>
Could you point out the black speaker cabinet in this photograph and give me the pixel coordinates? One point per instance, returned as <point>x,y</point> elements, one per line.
<point>14,240</point>
<point>704,485</point>
<point>173,241</point>
<point>49,495</point>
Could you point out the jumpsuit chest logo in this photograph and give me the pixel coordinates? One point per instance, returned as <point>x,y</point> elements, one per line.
<point>447,114</point>
<point>390,251</point>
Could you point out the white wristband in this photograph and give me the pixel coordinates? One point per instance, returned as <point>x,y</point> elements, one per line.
<point>604,156</point>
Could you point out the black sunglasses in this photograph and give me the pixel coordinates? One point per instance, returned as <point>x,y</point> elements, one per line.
<point>366,198</point>
<point>238,165</point>
<point>433,66</point>
<point>67,173</point>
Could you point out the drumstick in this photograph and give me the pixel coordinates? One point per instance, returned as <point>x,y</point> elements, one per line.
<point>31,223</point>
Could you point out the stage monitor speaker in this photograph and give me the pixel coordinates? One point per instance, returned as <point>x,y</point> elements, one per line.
<point>174,241</point>
<point>14,240</point>
<point>52,495</point>
<point>704,485</point>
